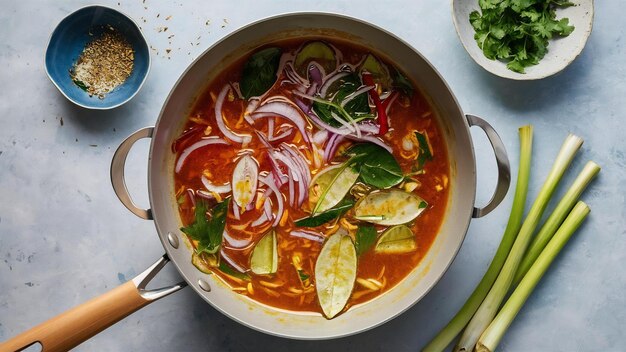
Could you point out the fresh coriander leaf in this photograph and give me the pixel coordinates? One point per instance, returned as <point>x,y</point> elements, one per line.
<point>402,84</point>
<point>365,238</point>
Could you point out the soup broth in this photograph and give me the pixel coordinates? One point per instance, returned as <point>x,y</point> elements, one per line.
<point>296,143</point>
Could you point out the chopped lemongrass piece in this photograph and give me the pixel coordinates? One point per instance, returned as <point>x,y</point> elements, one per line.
<point>454,327</point>
<point>489,306</point>
<point>493,334</point>
<point>559,213</point>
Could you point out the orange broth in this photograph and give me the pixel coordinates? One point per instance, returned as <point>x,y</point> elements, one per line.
<point>284,289</point>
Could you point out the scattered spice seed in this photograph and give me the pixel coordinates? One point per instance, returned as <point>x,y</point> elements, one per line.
<point>61,121</point>
<point>168,17</point>
<point>105,63</point>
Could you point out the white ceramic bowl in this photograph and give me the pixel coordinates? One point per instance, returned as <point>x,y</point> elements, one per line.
<point>561,51</point>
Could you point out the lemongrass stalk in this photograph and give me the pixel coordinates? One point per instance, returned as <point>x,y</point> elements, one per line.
<point>559,213</point>
<point>454,327</point>
<point>493,334</point>
<point>490,305</point>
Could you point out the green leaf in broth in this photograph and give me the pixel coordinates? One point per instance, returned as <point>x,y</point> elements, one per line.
<point>364,238</point>
<point>376,166</point>
<point>335,273</point>
<point>228,270</point>
<point>402,84</point>
<point>328,215</point>
<point>332,184</point>
<point>425,151</point>
<point>259,72</point>
<point>208,233</point>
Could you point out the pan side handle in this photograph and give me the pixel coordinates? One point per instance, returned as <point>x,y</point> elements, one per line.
<point>502,161</point>
<point>71,328</point>
<point>117,172</point>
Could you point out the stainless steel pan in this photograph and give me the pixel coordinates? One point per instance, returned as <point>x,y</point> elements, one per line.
<point>82,322</point>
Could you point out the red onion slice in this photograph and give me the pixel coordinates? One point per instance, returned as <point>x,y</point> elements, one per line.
<point>291,188</point>
<point>191,194</point>
<point>211,187</point>
<point>330,80</point>
<point>201,143</point>
<point>244,138</point>
<point>204,194</point>
<point>236,244</point>
<point>236,212</point>
<point>371,139</point>
<point>260,220</point>
<point>232,263</point>
<point>331,146</point>
<point>307,235</point>
<point>320,137</point>
<point>287,111</point>
<point>269,182</point>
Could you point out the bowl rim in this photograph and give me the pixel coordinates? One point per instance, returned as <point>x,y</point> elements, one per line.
<point>523,77</point>
<point>108,107</point>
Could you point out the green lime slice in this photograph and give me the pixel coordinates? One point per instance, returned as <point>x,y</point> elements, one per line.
<point>331,185</point>
<point>389,207</point>
<point>397,239</point>
<point>318,52</point>
<point>335,273</point>
<point>264,259</point>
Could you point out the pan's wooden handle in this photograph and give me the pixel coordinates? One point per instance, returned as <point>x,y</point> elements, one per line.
<point>78,324</point>
<point>71,328</point>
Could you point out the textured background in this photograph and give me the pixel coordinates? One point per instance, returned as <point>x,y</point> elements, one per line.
<point>64,236</point>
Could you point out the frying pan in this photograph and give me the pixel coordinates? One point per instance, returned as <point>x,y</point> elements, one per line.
<point>78,324</point>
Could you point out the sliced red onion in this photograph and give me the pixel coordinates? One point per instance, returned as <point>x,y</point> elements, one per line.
<point>331,146</point>
<point>391,99</point>
<point>320,137</point>
<point>312,89</point>
<point>307,235</point>
<point>201,143</point>
<point>235,243</point>
<point>232,263</point>
<point>288,111</point>
<point>369,127</point>
<point>270,128</point>
<point>316,72</point>
<point>192,198</point>
<point>260,220</point>
<point>236,211</point>
<point>300,160</point>
<point>330,80</point>
<point>269,182</point>
<point>287,162</point>
<point>267,206</point>
<point>291,188</point>
<point>204,194</point>
<point>244,138</point>
<point>285,133</point>
<point>211,187</point>
<point>371,139</point>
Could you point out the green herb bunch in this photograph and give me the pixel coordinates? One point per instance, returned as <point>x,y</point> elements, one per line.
<point>517,31</point>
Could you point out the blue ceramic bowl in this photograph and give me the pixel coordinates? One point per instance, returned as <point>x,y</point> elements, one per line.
<point>68,41</point>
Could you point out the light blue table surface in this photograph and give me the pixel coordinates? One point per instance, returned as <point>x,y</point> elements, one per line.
<point>64,236</point>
